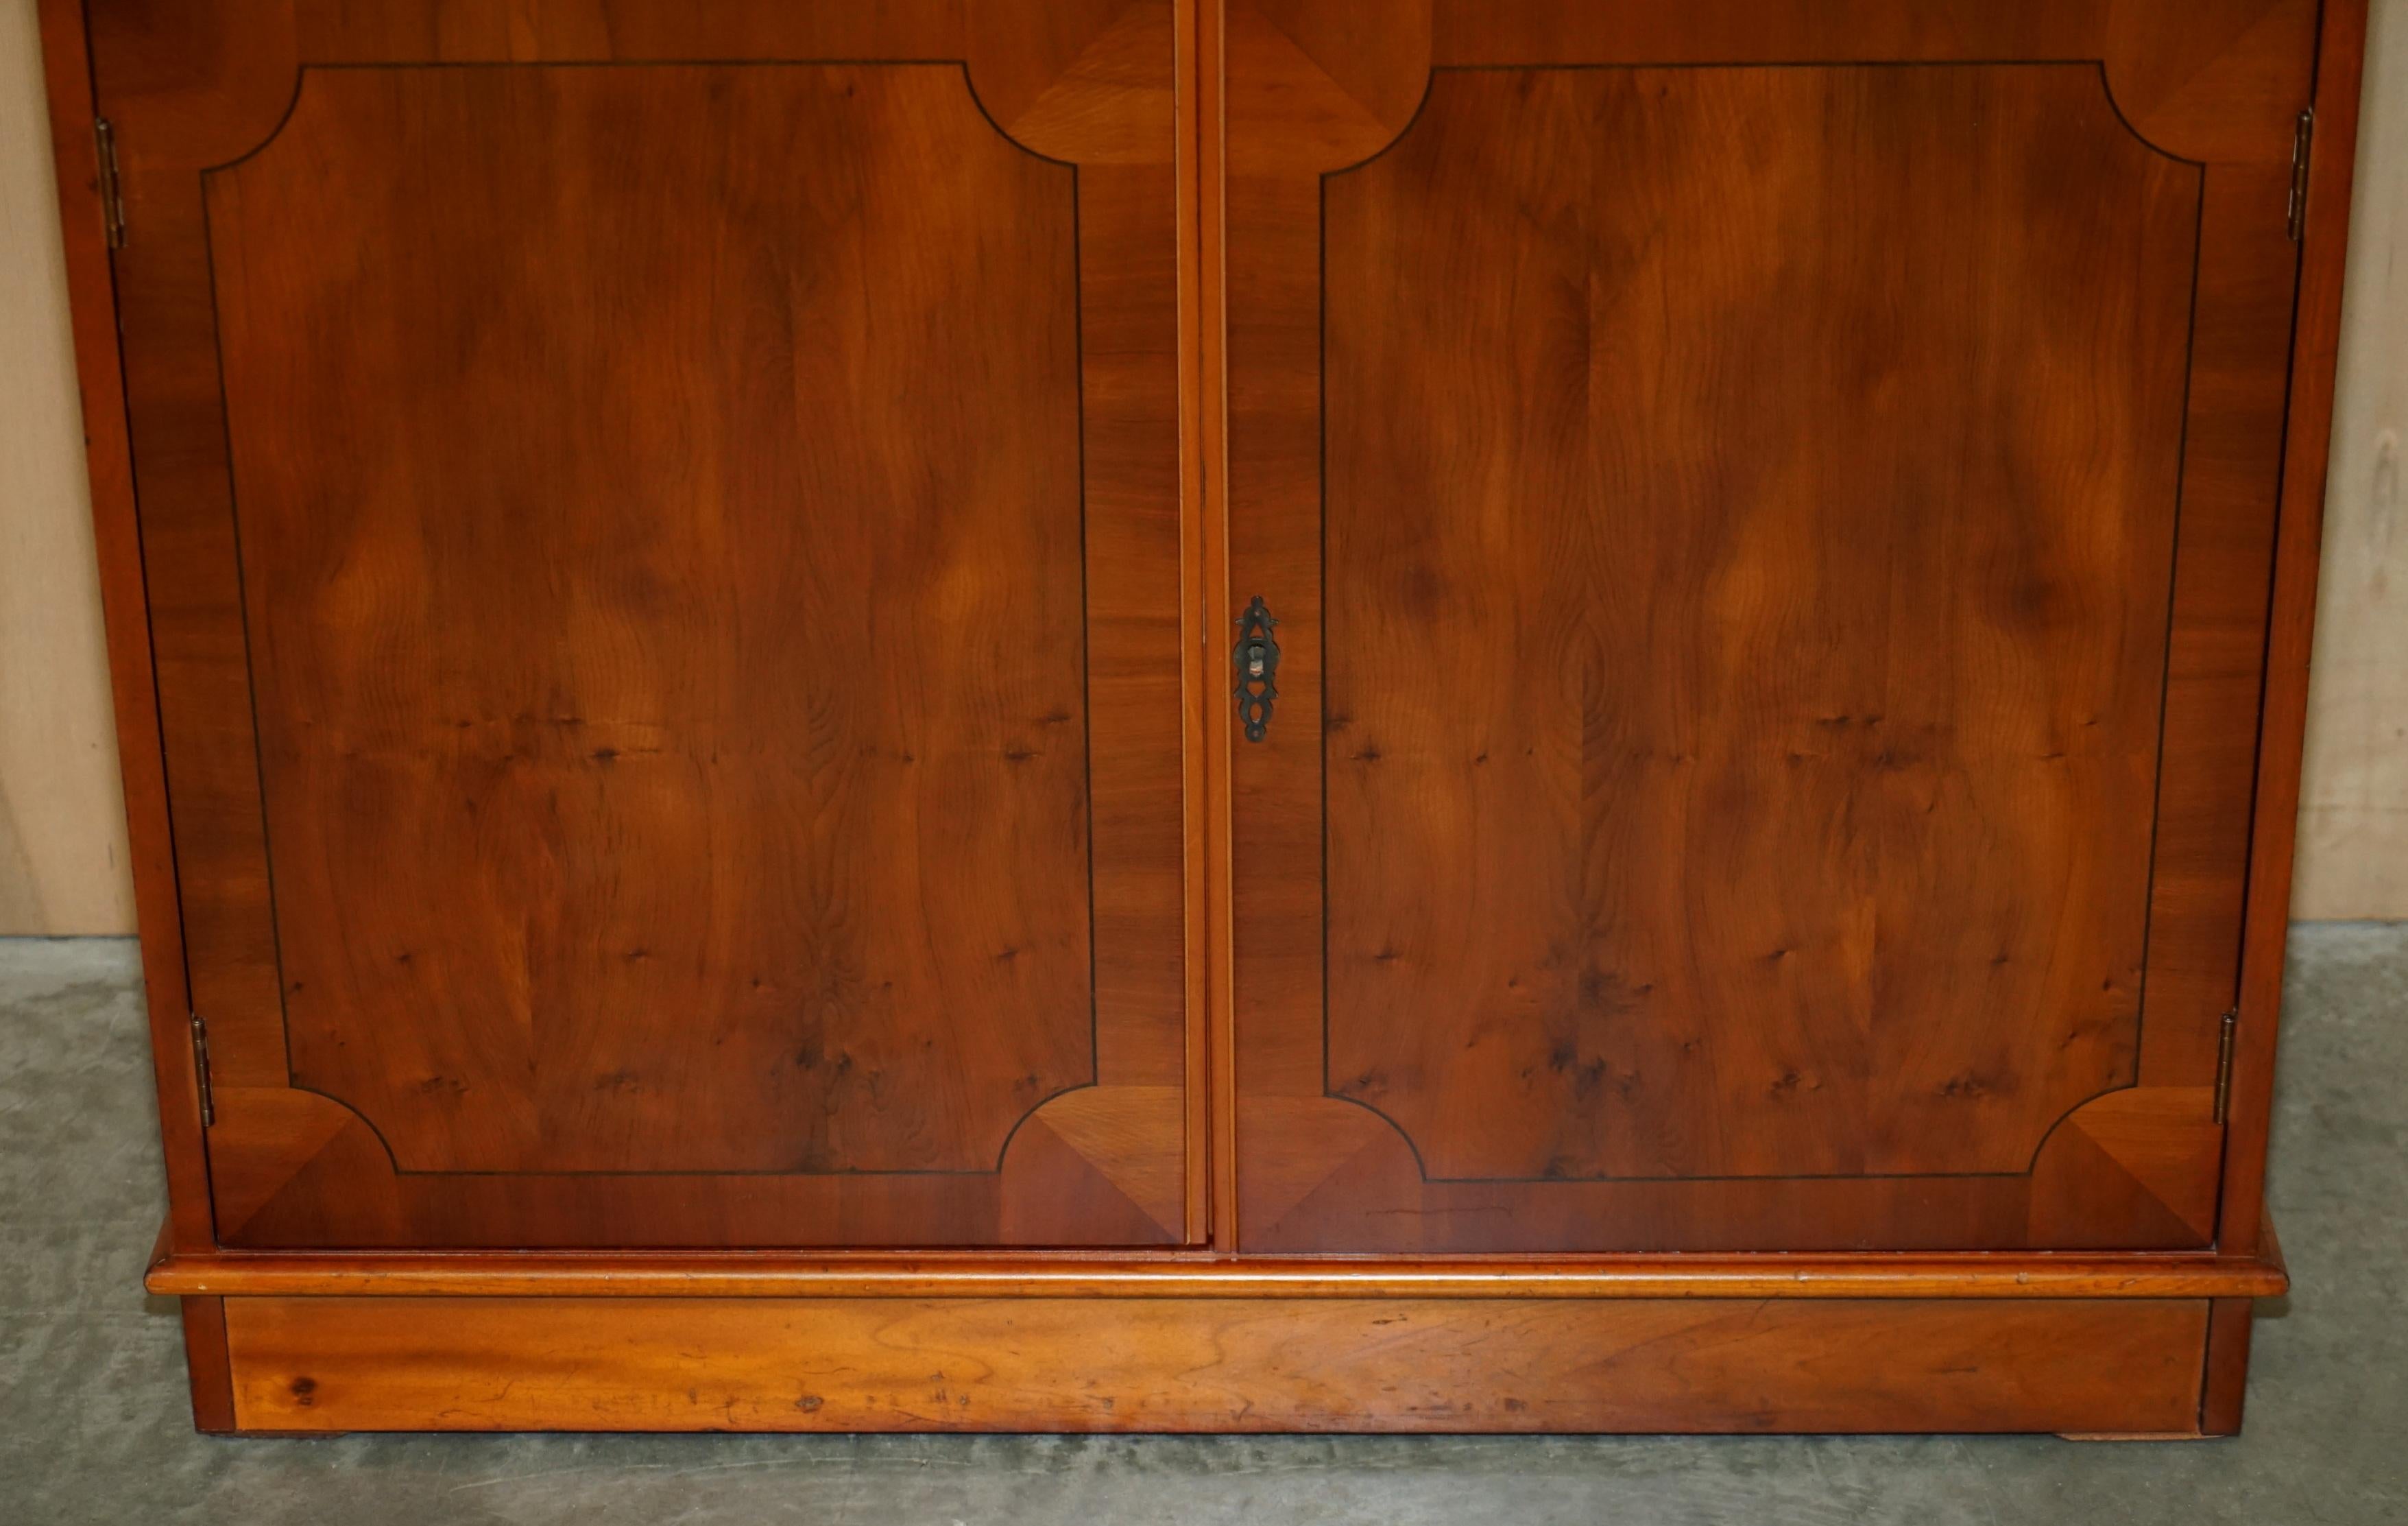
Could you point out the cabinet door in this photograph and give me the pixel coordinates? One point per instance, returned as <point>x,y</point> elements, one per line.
<point>663,529</point>
<point>1768,508</point>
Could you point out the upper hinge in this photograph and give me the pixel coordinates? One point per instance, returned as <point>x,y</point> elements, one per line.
<point>2224,1065</point>
<point>112,195</point>
<point>201,1070</point>
<point>2302,140</point>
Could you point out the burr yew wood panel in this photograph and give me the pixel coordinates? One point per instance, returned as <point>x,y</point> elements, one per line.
<point>671,710</point>
<point>1760,623</point>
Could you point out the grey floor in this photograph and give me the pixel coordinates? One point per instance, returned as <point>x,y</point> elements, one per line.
<point>93,1425</point>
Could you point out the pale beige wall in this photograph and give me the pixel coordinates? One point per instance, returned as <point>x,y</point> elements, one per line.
<point>62,827</point>
<point>2354,820</point>
<point>62,822</point>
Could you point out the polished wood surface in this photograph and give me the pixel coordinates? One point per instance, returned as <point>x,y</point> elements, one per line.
<point>210,1375</point>
<point>1595,477</point>
<point>321,1364</point>
<point>1201,695</point>
<point>674,684</point>
<point>1213,825</point>
<point>671,705</point>
<point>1163,1274</point>
<point>1333,271</point>
<point>2225,1390</point>
<point>133,679</point>
<point>1746,621</point>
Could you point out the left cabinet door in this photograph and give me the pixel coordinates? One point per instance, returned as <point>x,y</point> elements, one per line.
<point>663,531</point>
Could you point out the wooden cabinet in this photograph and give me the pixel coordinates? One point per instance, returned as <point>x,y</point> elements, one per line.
<point>673,573</point>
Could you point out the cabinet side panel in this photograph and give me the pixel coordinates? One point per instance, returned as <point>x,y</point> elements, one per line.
<point>118,538</point>
<point>2315,357</point>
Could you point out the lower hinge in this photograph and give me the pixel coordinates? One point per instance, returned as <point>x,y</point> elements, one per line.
<point>201,1068</point>
<point>112,191</point>
<point>2302,144</point>
<point>2224,1065</point>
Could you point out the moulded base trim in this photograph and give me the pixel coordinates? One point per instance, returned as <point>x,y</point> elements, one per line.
<point>2067,1365</point>
<point>1197,1274</point>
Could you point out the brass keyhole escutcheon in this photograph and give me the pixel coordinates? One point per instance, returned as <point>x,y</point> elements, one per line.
<point>1257,659</point>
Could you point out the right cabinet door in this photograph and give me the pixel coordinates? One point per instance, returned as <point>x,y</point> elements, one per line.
<point>1770,510</point>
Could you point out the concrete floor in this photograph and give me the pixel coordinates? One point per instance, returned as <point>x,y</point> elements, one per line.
<point>93,1425</point>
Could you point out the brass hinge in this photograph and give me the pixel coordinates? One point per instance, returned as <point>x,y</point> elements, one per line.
<point>2302,140</point>
<point>2224,1065</point>
<point>201,1068</point>
<point>112,195</point>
